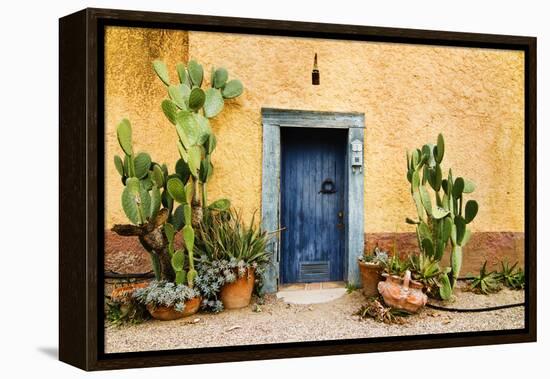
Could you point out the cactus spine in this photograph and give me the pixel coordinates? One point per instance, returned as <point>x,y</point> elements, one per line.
<point>442,215</point>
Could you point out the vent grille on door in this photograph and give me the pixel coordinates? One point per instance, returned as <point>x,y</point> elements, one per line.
<point>314,271</point>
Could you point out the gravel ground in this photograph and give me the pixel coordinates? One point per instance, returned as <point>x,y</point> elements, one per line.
<point>276,322</point>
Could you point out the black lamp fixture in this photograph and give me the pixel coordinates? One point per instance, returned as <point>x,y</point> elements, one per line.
<point>315,73</point>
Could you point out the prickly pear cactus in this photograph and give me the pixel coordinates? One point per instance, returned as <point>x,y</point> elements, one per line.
<point>189,108</point>
<point>149,186</point>
<point>443,217</point>
<point>141,197</point>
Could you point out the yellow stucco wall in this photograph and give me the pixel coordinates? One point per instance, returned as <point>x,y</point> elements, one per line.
<point>409,93</point>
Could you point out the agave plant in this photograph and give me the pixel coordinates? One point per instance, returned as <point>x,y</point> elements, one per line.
<point>226,236</point>
<point>485,282</point>
<point>511,276</point>
<point>396,265</point>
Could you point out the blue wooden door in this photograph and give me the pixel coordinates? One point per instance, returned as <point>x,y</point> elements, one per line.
<point>312,204</point>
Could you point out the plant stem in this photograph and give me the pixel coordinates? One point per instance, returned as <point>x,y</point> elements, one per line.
<point>204,195</point>
<point>156,265</point>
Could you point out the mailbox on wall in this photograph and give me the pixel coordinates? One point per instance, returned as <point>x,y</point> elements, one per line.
<point>357,155</point>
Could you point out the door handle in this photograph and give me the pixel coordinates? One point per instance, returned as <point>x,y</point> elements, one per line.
<point>341,224</point>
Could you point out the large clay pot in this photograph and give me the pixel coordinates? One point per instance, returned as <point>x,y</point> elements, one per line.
<point>371,274</point>
<point>169,313</point>
<point>238,294</point>
<point>402,293</point>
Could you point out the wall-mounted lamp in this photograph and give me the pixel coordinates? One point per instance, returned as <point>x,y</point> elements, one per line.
<point>315,72</point>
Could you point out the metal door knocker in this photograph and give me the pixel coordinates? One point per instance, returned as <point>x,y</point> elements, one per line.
<point>328,186</point>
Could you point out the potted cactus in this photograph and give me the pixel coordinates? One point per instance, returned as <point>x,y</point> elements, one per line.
<point>444,215</point>
<point>371,266</point>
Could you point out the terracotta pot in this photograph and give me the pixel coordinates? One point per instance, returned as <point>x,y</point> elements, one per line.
<point>238,294</point>
<point>402,293</point>
<point>371,274</point>
<point>169,313</point>
<point>124,294</point>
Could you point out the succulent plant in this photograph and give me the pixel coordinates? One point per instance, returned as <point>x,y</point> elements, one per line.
<point>511,276</point>
<point>485,282</point>
<point>442,216</point>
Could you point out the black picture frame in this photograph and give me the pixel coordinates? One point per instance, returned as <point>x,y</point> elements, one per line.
<point>81,190</point>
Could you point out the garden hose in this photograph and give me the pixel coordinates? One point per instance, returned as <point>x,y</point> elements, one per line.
<point>146,275</point>
<point>464,310</point>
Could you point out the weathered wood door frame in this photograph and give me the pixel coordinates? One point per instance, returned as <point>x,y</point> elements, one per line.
<point>272,122</point>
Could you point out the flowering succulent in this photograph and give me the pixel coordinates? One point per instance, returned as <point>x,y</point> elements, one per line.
<point>167,294</point>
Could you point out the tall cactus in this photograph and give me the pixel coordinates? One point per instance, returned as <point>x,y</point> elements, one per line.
<point>442,215</point>
<point>159,204</point>
<point>189,108</point>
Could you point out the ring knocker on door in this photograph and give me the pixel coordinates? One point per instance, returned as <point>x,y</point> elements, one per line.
<point>327,187</point>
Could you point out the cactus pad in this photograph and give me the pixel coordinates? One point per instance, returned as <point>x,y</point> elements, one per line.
<point>176,189</point>
<point>213,104</point>
<point>232,89</point>
<point>195,73</point>
<point>124,135</point>
<point>162,71</point>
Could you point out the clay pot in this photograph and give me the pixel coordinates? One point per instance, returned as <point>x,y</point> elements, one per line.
<point>371,274</point>
<point>124,294</point>
<point>402,293</point>
<point>238,294</point>
<point>169,313</point>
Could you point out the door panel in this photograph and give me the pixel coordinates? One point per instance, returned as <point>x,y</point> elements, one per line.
<point>312,244</point>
